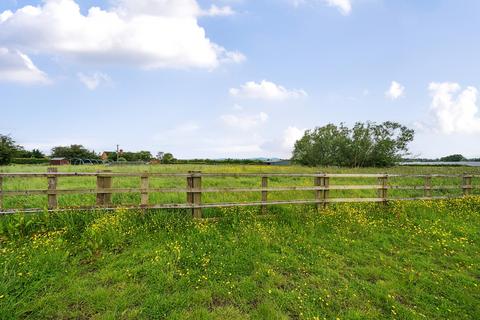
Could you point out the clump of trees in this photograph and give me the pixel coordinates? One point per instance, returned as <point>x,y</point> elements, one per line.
<point>10,152</point>
<point>364,145</point>
<point>453,158</point>
<point>73,151</point>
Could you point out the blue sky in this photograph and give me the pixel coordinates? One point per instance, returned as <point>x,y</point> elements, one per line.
<point>237,78</point>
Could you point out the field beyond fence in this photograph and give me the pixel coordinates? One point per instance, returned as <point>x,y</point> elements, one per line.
<point>192,190</point>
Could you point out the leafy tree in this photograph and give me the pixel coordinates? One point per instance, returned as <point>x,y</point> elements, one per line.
<point>35,153</point>
<point>453,158</point>
<point>168,158</point>
<point>73,151</point>
<point>8,149</point>
<point>364,145</point>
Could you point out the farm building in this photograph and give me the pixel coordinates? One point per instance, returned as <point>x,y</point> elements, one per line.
<point>59,161</point>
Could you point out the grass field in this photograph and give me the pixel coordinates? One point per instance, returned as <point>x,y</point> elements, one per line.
<point>406,260</point>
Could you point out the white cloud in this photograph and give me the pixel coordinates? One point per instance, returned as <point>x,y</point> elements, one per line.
<point>344,6</point>
<point>143,33</point>
<point>290,136</point>
<point>16,66</point>
<point>214,11</point>
<point>395,91</point>
<point>266,90</point>
<point>92,81</point>
<point>455,111</point>
<point>244,122</point>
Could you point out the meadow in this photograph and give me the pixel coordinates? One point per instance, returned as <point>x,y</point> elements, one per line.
<point>403,260</point>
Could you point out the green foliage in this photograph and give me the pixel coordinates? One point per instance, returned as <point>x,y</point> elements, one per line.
<point>35,153</point>
<point>73,151</point>
<point>453,158</point>
<point>131,156</point>
<point>168,158</point>
<point>365,145</point>
<point>8,149</point>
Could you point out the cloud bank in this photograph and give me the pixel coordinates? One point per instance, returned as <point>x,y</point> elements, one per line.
<point>138,33</point>
<point>455,110</point>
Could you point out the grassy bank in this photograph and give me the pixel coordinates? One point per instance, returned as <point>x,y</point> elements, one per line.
<point>414,260</point>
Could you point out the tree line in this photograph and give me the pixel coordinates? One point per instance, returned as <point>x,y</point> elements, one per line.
<point>11,152</point>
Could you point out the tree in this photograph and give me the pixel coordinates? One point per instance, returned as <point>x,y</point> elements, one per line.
<point>168,158</point>
<point>365,145</point>
<point>8,149</point>
<point>22,153</point>
<point>453,158</point>
<point>73,151</point>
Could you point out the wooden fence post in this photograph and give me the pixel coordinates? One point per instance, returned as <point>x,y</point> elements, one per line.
<point>427,189</point>
<point>52,187</point>
<point>144,185</point>
<point>319,181</point>
<point>264,194</point>
<point>194,198</point>
<point>326,191</point>
<point>382,191</point>
<point>467,184</point>
<point>104,198</point>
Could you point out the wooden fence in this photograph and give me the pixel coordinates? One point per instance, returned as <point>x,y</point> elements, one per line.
<point>321,186</point>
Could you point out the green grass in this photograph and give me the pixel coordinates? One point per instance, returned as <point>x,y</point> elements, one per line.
<point>409,260</point>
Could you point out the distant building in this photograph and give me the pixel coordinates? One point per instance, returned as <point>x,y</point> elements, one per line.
<point>106,154</point>
<point>59,161</point>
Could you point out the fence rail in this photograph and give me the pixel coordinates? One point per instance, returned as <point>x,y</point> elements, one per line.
<point>321,186</point>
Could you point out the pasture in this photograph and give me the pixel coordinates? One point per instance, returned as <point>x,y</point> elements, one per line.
<point>403,260</point>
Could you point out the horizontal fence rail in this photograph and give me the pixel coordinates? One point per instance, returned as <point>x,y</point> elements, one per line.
<point>321,187</point>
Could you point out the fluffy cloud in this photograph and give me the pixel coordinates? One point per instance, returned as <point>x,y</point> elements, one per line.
<point>455,111</point>
<point>144,33</point>
<point>92,81</point>
<point>244,122</point>
<point>290,136</point>
<point>395,91</point>
<point>266,90</point>
<point>17,67</point>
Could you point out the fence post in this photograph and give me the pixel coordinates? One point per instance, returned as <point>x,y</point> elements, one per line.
<point>194,198</point>
<point>326,191</point>
<point>144,186</point>
<point>467,184</point>
<point>427,189</point>
<point>264,194</point>
<point>104,198</point>
<point>382,191</point>
<point>319,181</point>
<point>52,187</point>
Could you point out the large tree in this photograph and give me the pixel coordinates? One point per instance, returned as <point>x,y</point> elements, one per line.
<point>364,145</point>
